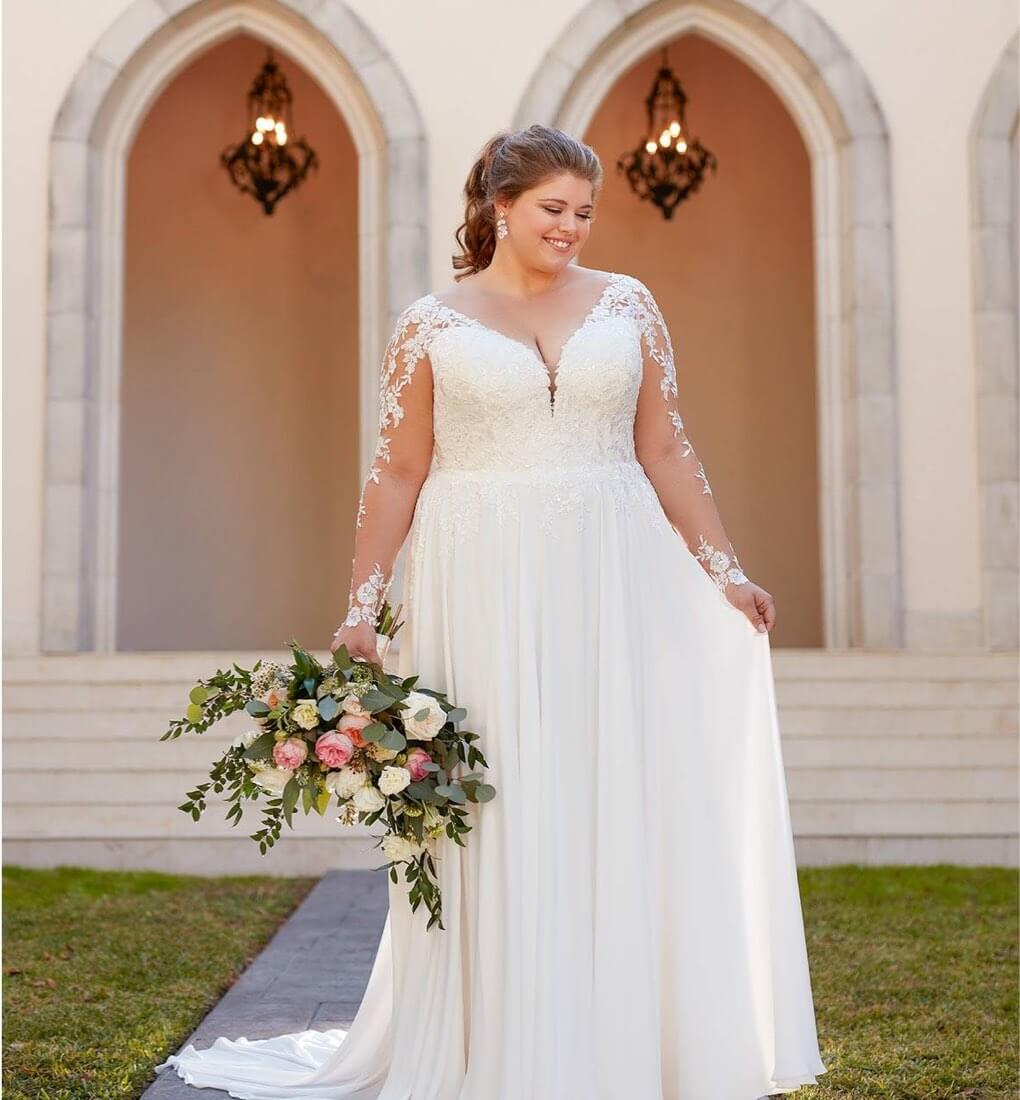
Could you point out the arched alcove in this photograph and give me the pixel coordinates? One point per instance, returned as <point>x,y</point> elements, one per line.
<point>733,273</point>
<point>829,97</point>
<point>995,225</point>
<point>238,455</point>
<point>123,75</point>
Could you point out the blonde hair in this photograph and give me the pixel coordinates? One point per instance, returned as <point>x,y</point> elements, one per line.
<point>511,162</point>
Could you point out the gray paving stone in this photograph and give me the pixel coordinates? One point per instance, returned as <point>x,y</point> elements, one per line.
<point>312,973</point>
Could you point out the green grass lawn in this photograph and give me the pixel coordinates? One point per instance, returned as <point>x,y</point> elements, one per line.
<point>914,971</point>
<point>105,972</point>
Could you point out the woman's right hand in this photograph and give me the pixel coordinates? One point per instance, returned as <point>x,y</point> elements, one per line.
<point>360,642</point>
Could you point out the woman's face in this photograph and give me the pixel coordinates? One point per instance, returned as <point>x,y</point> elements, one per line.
<point>559,209</point>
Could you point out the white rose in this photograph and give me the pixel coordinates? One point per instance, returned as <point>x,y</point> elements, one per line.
<point>393,780</point>
<point>246,740</point>
<point>346,781</point>
<point>377,752</point>
<point>305,714</point>
<point>367,799</point>
<point>351,704</point>
<point>426,727</point>
<point>398,848</point>
<point>273,779</point>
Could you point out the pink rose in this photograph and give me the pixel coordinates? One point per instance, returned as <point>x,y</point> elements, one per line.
<point>334,749</point>
<point>352,725</point>
<point>416,759</point>
<point>290,753</point>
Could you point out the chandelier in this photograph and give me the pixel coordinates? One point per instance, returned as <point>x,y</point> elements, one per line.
<point>668,165</point>
<point>268,162</point>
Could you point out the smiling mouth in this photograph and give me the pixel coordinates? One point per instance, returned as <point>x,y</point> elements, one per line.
<point>560,246</point>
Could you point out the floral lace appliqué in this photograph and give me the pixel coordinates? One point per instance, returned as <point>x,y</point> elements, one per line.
<point>722,568</point>
<point>407,346</point>
<point>366,601</point>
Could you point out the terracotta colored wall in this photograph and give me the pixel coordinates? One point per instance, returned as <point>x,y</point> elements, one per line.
<point>239,431</point>
<point>733,274</point>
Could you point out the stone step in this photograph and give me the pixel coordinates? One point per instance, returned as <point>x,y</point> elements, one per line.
<point>187,667</point>
<point>863,721</point>
<point>828,817</point>
<point>65,819</point>
<point>899,752</point>
<point>236,854</point>
<point>858,721</point>
<point>197,752</point>
<point>108,788</point>
<point>909,784</point>
<point>168,700</point>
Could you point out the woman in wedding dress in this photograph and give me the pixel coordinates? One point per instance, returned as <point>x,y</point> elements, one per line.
<point>625,920</point>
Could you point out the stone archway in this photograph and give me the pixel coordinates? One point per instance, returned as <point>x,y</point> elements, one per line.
<point>121,77</point>
<point>994,228</point>
<point>831,101</point>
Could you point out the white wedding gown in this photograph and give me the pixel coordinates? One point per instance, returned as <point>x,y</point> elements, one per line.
<point>625,920</point>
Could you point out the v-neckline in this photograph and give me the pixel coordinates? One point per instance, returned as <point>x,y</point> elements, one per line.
<point>551,370</point>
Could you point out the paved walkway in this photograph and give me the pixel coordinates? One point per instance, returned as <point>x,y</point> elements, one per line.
<point>311,974</point>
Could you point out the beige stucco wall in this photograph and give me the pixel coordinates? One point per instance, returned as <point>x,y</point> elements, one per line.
<point>928,61</point>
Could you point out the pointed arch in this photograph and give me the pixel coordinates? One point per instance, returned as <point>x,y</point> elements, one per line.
<point>831,101</point>
<point>994,228</point>
<point>124,73</point>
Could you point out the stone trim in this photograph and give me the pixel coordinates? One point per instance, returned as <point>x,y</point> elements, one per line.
<point>994,231</point>
<point>114,87</point>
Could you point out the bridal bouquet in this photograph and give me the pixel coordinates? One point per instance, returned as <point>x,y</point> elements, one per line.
<point>383,748</point>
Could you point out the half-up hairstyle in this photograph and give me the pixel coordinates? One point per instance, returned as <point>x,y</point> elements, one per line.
<point>514,161</point>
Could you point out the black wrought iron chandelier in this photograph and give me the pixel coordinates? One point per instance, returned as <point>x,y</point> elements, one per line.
<point>668,165</point>
<point>269,163</point>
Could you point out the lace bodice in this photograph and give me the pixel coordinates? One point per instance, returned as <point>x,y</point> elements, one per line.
<point>457,395</point>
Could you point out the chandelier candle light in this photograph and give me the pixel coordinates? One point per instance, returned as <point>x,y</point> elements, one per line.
<point>269,163</point>
<point>668,165</point>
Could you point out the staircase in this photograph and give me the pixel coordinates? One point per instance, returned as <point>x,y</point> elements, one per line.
<point>890,757</point>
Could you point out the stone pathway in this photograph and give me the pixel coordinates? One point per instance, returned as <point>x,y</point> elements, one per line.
<point>311,974</point>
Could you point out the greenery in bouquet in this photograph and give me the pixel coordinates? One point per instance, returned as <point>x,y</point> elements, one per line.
<point>383,748</point>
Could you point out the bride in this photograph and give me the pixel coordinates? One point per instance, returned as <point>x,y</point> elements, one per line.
<point>625,920</point>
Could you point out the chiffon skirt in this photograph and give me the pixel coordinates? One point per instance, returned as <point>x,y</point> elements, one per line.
<point>625,920</point>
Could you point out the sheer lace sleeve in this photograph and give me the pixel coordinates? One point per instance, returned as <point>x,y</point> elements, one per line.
<point>665,451</point>
<point>400,465</point>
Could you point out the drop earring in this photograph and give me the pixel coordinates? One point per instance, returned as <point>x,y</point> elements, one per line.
<point>501,227</point>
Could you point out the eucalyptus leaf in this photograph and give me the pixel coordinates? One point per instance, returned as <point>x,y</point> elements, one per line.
<point>485,792</point>
<point>256,708</point>
<point>328,708</point>
<point>458,714</point>
<point>374,731</point>
<point>375,700</point>
<point>393,739</point>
